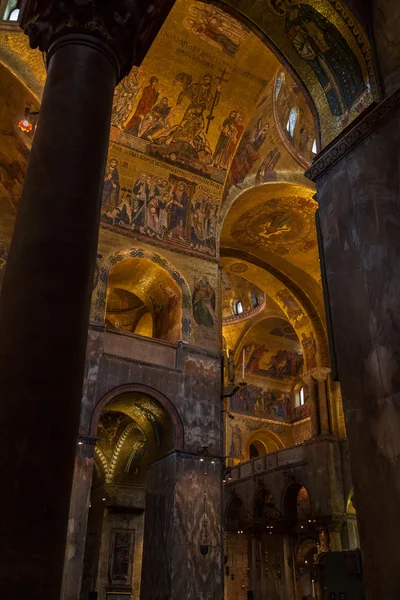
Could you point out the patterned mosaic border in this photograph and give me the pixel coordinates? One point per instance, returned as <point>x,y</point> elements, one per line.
<point>357,132</point>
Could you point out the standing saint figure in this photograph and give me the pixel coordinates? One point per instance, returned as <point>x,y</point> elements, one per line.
<point>236,443</point>
<point>178,207</point>
<point>310,350</point>
<point>124,97</point>
<point>147,101</point>
<point>203,300</point>
<point>228,134</point>
<point>111,187</point>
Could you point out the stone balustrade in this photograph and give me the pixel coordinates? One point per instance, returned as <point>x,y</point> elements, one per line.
<point>288,457</point>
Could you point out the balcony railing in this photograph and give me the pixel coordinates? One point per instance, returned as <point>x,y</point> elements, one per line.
<point>288,457</point>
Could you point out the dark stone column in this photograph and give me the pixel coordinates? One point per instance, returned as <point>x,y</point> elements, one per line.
<point>45,299</point>
<point>321,375</point>
<point>183,513</point>
<point>78,516</point>
<point>358,182</point>
<point>312,388</point>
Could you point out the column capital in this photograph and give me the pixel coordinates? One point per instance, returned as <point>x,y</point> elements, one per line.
<point>319,374</point>
<point>126,27</point>
<point>307,378</point>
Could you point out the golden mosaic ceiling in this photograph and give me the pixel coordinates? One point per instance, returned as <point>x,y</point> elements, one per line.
<point>211,136</point>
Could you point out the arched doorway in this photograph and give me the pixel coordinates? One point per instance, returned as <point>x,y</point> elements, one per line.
<point>133,429</point>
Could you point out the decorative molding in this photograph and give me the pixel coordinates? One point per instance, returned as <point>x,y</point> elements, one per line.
<point>356,133</point>
<point>117,451</point>
<point>244,315</point>
<point>141,362</point>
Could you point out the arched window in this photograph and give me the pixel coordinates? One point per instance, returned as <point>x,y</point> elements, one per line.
<point>237,307</point>
<point>314,147</point>
<point>291,124</point>
<point>300,397</point>
<point>11,7</point>
<point>14,15</point>
<point>279,82</point>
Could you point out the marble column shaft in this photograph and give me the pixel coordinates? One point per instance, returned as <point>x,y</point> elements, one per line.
<point>44,313</point>
<point>173,565</point>
<point>77,524</point>
<point>358,182</point>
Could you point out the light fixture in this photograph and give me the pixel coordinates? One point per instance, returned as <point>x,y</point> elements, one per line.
<point>212,461</point>
<point>26,124</point>
<point>201,459</point>
<point>80,443</point>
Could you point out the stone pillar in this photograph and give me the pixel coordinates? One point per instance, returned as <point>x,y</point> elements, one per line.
<point>335,535</point>
<point>358,193</point>
<point>256,566</point>
<point>320,375</point>
<point>46,292</point>
<point>310,382</point>
<point>182,554</point>
<point>289,568</point>
<point>78,516</point>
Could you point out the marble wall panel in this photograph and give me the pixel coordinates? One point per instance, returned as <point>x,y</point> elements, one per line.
<point>386,24</point>
<point>183,512</point>
<point>360,216</point>
<point>195,392</point>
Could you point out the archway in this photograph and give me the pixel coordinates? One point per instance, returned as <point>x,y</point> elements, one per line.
<point>139,291</point>
<point>134,427</point>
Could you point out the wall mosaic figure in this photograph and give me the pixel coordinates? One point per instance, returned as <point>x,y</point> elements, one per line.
<point>310,350</point>
<point>321,44</point>
<point>217,28</point>
<point>203,300</point>
<point>147,101</point>
<point>111,187</point>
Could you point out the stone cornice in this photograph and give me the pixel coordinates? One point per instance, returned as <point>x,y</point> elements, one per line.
<point>353,136</point>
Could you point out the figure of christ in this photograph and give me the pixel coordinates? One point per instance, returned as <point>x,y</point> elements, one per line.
<point>147,101</point>
<point>178,207</point>
<point>201,99</point>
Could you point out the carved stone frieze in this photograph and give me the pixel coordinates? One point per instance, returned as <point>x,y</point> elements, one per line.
<point>127,27</point>
<point>357,132</point>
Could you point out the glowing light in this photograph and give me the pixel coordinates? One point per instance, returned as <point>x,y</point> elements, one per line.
<point>25,125</point>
